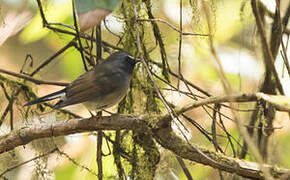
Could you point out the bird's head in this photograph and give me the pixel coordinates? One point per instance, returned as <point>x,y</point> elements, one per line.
<point>124,60</point>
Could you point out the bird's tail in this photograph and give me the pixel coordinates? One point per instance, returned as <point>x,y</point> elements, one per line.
<point>48,97</point>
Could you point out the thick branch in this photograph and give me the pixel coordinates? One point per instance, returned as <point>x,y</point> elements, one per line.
<point>28,134</point>
<point>165,136</point>
<point>170,141</point>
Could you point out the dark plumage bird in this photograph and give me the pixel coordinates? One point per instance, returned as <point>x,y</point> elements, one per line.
<point>103,86</point>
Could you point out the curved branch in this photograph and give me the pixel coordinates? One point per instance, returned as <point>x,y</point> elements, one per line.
<point>281,103</point>
<point>164,135</point>
<point>37,131</point>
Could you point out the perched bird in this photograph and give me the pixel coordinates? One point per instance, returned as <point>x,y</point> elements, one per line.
<point>103,86</point>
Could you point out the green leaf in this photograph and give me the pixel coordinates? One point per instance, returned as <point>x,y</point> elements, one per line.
<point>83,6</point>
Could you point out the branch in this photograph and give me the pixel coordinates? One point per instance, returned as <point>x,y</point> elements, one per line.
<point>173,27</point>
<point>269,60</point>
<point>25,162</point>
<point>28,78</point>
<point>164,135</point>
<point>276,101</point>
<point>27,134</point>
<point>50,59</point>
<point>170,141</point>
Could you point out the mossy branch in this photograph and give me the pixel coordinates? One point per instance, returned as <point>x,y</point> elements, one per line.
<point>163,134</point>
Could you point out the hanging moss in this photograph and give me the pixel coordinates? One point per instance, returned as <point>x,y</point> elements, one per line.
<point>147,156</point>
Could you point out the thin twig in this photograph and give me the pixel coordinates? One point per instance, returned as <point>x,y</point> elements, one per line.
<point>9,107</point>
<point>270,59</point>
<point>157,34</point>
<point>199,128</point>
<point>28,161</point>
<point>25,88</point>
<point>117,157</point>
<point>98,44</point>
<point>229,136</point>
<point>75,162</point>
<point>64,111</point>
<point>84,36</point>
<point>35,81</point>
<point>11,102</point>
<point>180,42</point>
<point>285,19</point>
<point>27,58</point>
<point>81,34</point>
<point>285,57</point>
<point>146,65</point>
<point>213,126</point>
<point>99,154</point>
<point>173,27</point>
<point>44,21</point>
<point>4,114</point>
<point>61,24</point>
<point>228,91</point>
<point>49,60</point>
<point>184,168</point>
<point>78,37</point>
<point>99,114</point>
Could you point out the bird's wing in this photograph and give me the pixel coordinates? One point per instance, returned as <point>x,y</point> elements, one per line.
<point>100,81</point>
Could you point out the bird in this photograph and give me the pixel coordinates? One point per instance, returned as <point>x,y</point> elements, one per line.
<point>99,88</point>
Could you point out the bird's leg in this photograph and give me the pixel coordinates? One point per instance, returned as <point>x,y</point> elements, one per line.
<point>91,113</point>
<point>108,112</point>
<point>99,114</point>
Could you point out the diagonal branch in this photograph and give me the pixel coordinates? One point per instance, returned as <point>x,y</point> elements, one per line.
<point>33,80</point>
<point>269,61</point>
